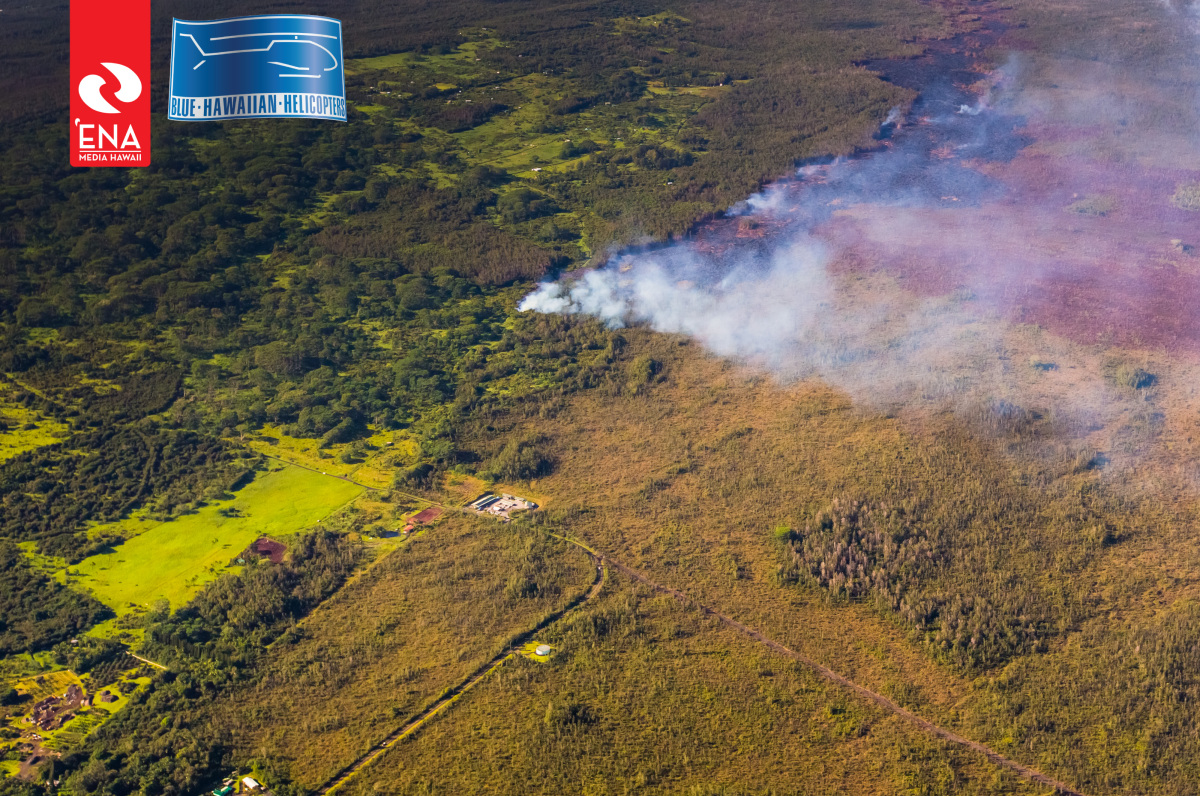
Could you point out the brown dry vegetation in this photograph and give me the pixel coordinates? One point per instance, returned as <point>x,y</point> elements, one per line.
<point>418,622</point>
<point>687,479</point>
<point>645,695</point>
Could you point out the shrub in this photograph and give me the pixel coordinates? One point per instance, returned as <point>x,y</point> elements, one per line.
<point>420,474</point>
<point>1094,206</point>
<point>1037,363</point>
<point>1127,375</point>
<point>641,371</point>
<point>1187,196</point>
<point>524,204</point>
<point>521,460</point>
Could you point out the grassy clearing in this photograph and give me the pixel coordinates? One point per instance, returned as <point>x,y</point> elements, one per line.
<point>708,92</point>
<point>460,62</point>
<point>28,430</point>
<point>640,24</point>
<point>15,668</point>
<point>394,638</point>
<point>172,560</point>
<point>378,454</point>
<point>523,138</point>
<point>464,488</point>
<point>23,429</point>
<point>378,523</point>
<point>52,683</point>
<point>529,650</point>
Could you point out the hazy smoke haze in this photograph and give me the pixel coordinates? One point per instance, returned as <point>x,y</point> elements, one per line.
<point>1011,226</point>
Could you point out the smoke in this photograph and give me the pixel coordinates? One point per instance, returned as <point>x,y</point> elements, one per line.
<point>762,288</point>
<point>986,251</point>
<point>754,310</point>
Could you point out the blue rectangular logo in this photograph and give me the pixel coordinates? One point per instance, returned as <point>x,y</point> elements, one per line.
<point>279,66</point>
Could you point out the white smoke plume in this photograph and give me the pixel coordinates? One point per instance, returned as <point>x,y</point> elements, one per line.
<point>835,274</point>
<point>753,313</point>
<point>774,302</point>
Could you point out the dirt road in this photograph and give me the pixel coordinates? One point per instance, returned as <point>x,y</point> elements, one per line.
<point>602,559</point>
<point>941,732</point>
<point>146,661</point>
<point>475,678</point>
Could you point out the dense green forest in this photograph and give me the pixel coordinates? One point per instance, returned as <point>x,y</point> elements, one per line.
<point>35,612</point>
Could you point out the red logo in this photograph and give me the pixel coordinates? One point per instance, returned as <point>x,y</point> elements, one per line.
<point>110,82</point>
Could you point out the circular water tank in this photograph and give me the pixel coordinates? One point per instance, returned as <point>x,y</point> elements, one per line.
<point>542,650</point>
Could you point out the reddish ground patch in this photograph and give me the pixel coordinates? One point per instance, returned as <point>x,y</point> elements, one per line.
<point>427,515</point>
<point>266,548</point>
<point>1115,279</point>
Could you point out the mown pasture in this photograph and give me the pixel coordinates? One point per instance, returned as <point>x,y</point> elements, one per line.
<point>172,560</point>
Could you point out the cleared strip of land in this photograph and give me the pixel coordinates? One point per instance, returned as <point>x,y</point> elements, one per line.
<point>473,680</point>
<point>941,732</point>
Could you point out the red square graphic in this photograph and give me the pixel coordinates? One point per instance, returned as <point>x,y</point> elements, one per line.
<point>110,83</point>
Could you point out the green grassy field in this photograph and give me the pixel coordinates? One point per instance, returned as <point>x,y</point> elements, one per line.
<point>381,451</point>
<point>24,429</point>
<point>174,559</point>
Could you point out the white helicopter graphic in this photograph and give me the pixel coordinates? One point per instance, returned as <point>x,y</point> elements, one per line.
<point>295,40</point>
